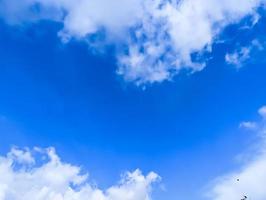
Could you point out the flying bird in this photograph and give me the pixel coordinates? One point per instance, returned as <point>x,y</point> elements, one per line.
<point>245,197</point>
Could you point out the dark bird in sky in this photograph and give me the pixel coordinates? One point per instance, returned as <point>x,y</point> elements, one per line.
<point>245,198</point>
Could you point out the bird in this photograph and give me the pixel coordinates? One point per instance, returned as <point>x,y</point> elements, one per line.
<point>245,197</point>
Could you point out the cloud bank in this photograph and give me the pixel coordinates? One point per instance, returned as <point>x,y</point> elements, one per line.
<point>155,39</point>
<point>250,180</point>
<point>39,174</point>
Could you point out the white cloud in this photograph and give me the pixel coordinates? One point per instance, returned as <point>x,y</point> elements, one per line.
<point>248,125</point>
<point>41,175</point>
<point>241,55</point>
<point>262,112</point>
<point>238,57</point>
<point>21,156</point>
<point>250,180</point>
<point>172,32</point>
<point>155,38</point>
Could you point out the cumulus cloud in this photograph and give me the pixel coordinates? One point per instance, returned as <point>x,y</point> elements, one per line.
<point>250,180</point>
<point>39,174</point>
<point>155,39</point>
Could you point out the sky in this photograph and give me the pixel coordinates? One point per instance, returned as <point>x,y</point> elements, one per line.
<point>132,100</point>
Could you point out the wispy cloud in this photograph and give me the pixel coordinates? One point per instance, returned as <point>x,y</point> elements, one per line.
<point>40,174</point>
<point>243,54</point>
<point>238,57</point>
<point>155,39</point>
<point>250,179</point>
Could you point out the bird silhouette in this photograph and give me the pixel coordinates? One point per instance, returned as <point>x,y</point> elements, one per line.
<point>245,197</point>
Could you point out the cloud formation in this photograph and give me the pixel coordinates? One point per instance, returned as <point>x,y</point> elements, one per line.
<point>237,58</point>
<point>41,175</point>
<point>250,180</point>
<point>155,39</point>
<point>241,55</point>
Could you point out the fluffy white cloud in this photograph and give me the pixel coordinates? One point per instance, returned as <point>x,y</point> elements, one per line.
<point>171,31</point>
<point>41,175</point>
<point>155,38</point>
<point>262,112</point>
<point>250,180</point>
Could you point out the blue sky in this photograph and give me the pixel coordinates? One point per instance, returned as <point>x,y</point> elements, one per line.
<point>68,95</point>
